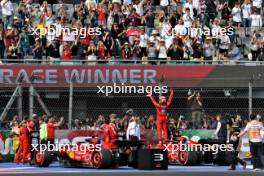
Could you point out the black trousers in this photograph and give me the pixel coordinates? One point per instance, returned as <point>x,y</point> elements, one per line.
<point>256,151</point>
<point>236,159</point>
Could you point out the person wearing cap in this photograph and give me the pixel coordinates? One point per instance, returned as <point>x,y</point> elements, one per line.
<point>161,112</point>
<point>154,37</point>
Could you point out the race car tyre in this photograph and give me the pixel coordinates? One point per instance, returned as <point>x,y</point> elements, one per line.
<point>187,158</point>
<point>43,159</point>
<point>102,159</point>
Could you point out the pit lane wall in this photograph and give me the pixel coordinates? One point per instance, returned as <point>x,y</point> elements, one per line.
<point>178,76</point>
<point>73,136</point>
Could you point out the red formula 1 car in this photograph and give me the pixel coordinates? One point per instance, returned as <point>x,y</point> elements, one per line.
<point>179,154</point>
<point>184,151</point>
<point>121,153</point>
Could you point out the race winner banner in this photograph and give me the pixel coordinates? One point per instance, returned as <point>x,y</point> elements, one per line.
<point>92,76</point>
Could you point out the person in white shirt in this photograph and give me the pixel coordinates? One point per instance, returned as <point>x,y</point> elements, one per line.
<point>224,45</point>
<point>256,20</point>
<point>180,29</point>
<point>246,12</point>
<point>236,12</point>
<point>254,128</point>
<point>162,51</point>
<point>165,27</point>
<point>133,129</point>
<point>143,42</point>
<point>7,12</point>
<point>169,38</point>
<point>187,19</point>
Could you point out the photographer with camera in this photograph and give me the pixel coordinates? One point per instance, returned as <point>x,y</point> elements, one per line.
<point>196,106</point>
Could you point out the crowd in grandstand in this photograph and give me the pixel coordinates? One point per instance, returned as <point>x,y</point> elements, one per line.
<point>129,30</point>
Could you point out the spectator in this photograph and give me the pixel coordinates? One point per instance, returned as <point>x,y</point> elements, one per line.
<point>224,44</point>
<point>256,20</point>
<point>221,129</point>
<point>151,124</point>
<point>38,50</point>
<point>236,13</point>
<point>7,12</point>
<point>182,123</point>
<point>246,12</point>
<point>23,43</point>
<point>136,51</point>
<point>254,47</point>
<point>213,123</point>
<point>196,106</point>
<point>162,51</point>
<point>152,53</point>
<point>208,49</point>
<point>149,19</point>
<point>234,53</point>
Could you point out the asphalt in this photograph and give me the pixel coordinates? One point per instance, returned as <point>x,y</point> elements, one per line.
<point>56,169</point>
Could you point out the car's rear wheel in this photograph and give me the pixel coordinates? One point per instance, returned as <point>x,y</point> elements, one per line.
<point>102,159</point>
<point>187,158</point>
<point>43,159</point>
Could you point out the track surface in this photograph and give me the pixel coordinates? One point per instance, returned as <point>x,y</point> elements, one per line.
<point>57,169</point>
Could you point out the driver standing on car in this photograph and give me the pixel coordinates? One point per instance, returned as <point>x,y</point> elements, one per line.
<point>161,109</point>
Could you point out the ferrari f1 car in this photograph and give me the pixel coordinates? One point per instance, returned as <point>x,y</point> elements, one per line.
<point>121,153</point>
<point>184,151</point>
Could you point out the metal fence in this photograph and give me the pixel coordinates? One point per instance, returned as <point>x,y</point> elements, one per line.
<point>82,103</point>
